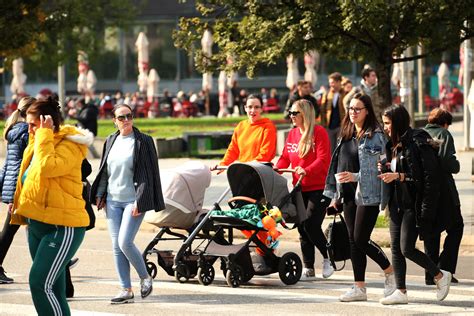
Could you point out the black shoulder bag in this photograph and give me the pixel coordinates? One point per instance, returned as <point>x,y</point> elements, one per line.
<point>338,242</point>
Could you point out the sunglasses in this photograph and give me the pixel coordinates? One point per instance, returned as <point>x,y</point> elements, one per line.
<point>124,117</point>
<point>293,113</point>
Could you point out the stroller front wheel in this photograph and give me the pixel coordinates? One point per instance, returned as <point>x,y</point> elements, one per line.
<point>182,277</point>
<point>234,276</point>
<point>290,268</point>
<point>206,274</point>
<point>152,269</point>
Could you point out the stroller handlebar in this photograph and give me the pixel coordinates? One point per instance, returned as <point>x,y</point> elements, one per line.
<point>298,183</point>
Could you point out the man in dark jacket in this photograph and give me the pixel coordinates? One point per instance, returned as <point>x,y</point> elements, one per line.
<point>87,119</point>
<point>303,91</point>
<point>450,218</point>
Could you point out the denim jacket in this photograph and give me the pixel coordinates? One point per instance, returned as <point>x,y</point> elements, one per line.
<point>370,188</point>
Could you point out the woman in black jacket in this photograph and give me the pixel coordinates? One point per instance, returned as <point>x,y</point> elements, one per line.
<point>411,173</point>
<point>128,185</point>
<point>16,135</point>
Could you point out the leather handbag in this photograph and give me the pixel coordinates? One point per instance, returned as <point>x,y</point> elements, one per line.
<point>338,242</point>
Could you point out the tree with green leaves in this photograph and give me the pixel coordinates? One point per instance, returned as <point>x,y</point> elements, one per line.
<point>262,32</point>
<point>52,31</point>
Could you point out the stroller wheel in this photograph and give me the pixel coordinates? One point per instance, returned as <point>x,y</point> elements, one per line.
<point>152,269</point>
<point>206,274</point>
<point>181,274</point>
<point>290,268</point>
<point>234,277</point>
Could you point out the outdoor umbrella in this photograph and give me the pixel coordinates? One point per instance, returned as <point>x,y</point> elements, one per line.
<point>152,87</point>
<point>222,87</point>
<point>17,85</point>
<point>206,43</point>
<point>143,59</point>
<point>292,75</point>
<point>311,61</point>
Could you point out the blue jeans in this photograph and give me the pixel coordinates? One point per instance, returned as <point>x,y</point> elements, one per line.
<point>123,228</point>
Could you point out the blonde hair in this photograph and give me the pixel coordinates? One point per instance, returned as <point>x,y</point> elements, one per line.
<point>306,143</point>
<point>18,115</point>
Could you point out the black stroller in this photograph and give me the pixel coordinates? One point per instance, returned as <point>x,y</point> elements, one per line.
<point>183,192</point>
<point>250,183</point>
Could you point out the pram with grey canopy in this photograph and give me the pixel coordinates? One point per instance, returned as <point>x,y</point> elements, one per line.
<point>183,191</point>
<point>251,182</point>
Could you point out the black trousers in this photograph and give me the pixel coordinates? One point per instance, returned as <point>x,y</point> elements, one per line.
<point>311,233</point>
<point>6,237</point>
<point>448,259</point>
<point>403,235</point>
<point>360,221</point>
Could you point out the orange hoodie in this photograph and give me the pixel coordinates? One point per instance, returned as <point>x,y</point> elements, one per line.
<point>252,141</point>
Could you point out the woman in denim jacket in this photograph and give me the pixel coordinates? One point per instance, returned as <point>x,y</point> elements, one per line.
<point>352,180</point>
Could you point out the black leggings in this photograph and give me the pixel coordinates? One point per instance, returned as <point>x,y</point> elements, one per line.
<point>310,230</point>
<point>6,237</point>
<point>360,221</point>
<point>403,234</point>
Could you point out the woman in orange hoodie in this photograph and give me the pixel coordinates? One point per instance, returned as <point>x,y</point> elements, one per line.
<point>253,139</point>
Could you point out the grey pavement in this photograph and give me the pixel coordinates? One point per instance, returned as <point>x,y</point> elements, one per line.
<point>96,282</point>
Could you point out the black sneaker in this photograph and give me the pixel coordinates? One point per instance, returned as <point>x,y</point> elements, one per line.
<point>430,282</point>
<point>125,296</point>
<point>454,280</point>
<point>73,263</point>
<point>3,277</point>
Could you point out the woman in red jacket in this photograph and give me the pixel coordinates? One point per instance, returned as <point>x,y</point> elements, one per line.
<point>307,150</point>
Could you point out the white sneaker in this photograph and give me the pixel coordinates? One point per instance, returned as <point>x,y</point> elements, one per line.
<point>442,285</point>
<point>390,285</point>
<point>125,296</point>
<point>397,297</point>
<point>308,275</point>
<point>328,270</point>
<point>354,294</point>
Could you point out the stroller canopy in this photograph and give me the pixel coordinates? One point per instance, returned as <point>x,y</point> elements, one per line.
<point>183,191</point>
<point>256,180</point>
<point>184,187</point>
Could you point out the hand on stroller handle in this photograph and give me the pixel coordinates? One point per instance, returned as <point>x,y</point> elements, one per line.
<point>282,170</point>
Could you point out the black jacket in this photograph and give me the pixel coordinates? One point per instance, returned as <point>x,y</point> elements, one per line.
<point>146,173</point>
<point>87,118</point>
<point>17,139</point>
<point>417,159</point>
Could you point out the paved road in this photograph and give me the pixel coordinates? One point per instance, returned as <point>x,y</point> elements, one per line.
<point>96,282</point>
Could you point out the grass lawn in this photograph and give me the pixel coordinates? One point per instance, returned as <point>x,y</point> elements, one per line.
<point>175,127</point>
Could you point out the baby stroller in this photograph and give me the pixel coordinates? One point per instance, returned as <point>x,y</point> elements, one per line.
<point>250,183</point>
<point>183,192</point>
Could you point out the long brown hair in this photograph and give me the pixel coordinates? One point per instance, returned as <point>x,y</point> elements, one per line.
<point>47,106</point>
<point>370,122</point>
<point>18,115</point>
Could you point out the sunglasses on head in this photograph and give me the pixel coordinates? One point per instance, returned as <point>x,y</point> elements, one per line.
<point>293,113</point>
<point>124,117</point>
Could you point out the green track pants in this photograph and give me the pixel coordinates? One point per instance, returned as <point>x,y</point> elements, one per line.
<point>51,248</point>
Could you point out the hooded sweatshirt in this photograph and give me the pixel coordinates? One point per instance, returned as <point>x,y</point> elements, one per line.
<point>52,191</point>
<point>252,141</point>
<point>315,163</point>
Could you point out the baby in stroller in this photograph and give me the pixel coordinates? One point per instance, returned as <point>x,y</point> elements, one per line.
<point>250,183</point>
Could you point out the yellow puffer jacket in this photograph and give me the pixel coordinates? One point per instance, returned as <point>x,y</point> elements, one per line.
<point>52,191</point>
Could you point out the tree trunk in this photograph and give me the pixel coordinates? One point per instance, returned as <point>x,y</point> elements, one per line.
<point>385,94</point>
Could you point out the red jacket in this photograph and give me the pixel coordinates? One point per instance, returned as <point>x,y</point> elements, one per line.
<point>315,163</point>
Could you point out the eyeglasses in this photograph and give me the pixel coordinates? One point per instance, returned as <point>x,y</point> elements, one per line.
<point>124,117</point>
<point>293,113</point>
<point>355,110</point>
<point>256,107</point>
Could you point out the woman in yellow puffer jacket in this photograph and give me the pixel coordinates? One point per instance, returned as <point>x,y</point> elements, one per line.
<point>49,199</point>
